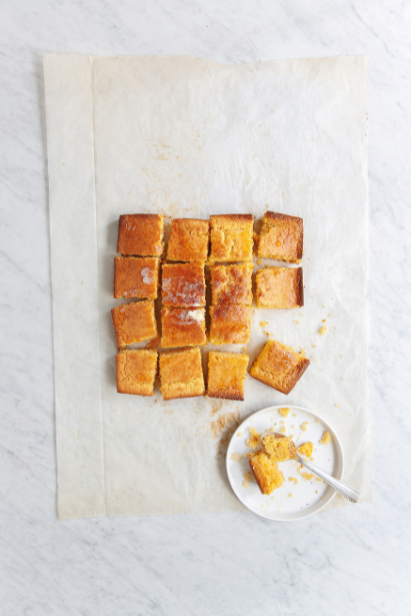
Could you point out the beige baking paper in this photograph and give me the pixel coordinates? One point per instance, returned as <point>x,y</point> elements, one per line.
<point>188,137</point>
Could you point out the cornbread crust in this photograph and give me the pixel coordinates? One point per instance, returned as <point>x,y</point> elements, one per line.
<point>189,240</point>
<point>136,371</point>
<point>266,472</point>
<point>280,449</point>
<point>230,324</point>
<point>141,235</point>
<point>231,238</point>
<point>181,374</point>
<point>134,322</point>
<point>226,375</point>
<point>231,284</point>
<point>281,238</point>
<point>182,327</point>
<point>136,277</point>
<point>279,366</point>
<point>183,285</point>
<point>280,287</point>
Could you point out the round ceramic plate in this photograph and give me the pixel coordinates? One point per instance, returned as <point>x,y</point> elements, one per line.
<point>302,494</point>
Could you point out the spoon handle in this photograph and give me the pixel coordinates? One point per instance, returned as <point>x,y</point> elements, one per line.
<point>346,491</point>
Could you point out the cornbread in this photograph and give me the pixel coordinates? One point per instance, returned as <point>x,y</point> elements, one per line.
<point>136,371</point>
<point>231,238</point>
<point>326,438</point>
<point>306,449</point>
<point>254,441</point>
<point>189,240</point>
<point>136,277</point>
<point>280,287</point>
<point>141,235</point>
<point>280,448</point>
<point>183,285</point>
<point>284,412</point>
<point>182,327</point>
<point>281,238</point>
<point>279,366</point>
<point>181,374</point>
<point>134,322</point>
<point>266,472</point>
<point>231,284</point>
<point>226,375</point>
<point>230,324</point>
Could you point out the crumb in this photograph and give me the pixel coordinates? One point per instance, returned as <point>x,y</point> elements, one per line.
<point>318,479</point>
<point>290,495</point>
<point>324,320</point>
<point>298,322</point>
<point>294,414</point>
<point>322,330</point>
<point>259,261</point>
<point>282,430</point>
<point>293,479</point>
<point>306,449</point>
<point>304,426</point>
<point>336,405</point>
<point>325,439</point>
<point>254,441</point>
<point>240,434</point>
<point>284,412</point>
<point>263,323</point>
<point>245,484</point>
<point>236,457</point>
<point>306,476</point>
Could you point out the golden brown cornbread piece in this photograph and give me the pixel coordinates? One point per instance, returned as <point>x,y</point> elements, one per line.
<point>231,284</point>
<point>136,277</point>
<point>279,366</point>
<point>189,240</point>
<point>280,287</point>
<point>306,449</point>
<point>136,371</point>
<point>281,238</point>
<point>141,235</point>
<point>183,285</point>
<point>182,327</point>
<point>279,448</point>
<point>226,375</point>
<point>231,238</point>
<point>134,322</point>
<point>230,324</point>
<point>181,374</point>
<point>266,472</point>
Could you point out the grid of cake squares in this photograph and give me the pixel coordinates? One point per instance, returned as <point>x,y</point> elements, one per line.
<point>225,244</point>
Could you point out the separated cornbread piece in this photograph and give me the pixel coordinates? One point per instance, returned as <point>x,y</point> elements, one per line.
<point>141,235</point>
<point>266,472</point>
<point>230,324</point>
<point>183,285</point>
<point>281,238</point>
<point>226,375</point>
<point>134,322</point>
<point>181,374</point>
<point>231,284</point>
<point>189,240</point>
<point>279,366</point>
<point>136,277</point>
<point>136,371</point>
<point>231,238</point>
<point>306,449</point>
<point>280,287</point>
<point>279,448</point>
<point>182,327</point>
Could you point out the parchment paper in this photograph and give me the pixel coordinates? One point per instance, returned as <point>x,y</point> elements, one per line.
<point>188,137</point>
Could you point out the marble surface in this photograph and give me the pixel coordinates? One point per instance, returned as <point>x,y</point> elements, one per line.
<point>354,560</point>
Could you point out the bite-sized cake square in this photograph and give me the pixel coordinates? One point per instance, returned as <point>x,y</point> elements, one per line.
<point>231,238</point>
<point>281,238</point>
<point>231,284</point>
<point>134,322</point>
<point>226,375</point>
<point>182,327</point>
<point>181,374</point>
<point>183,285</point>
<point>266,472</point>
<point>279,366</point>
<point>136,371</point>
<point>230,324</point>
<point>141,235</point>
<point>136,277</point>
<point>189,239</point>
<point>280,287</point>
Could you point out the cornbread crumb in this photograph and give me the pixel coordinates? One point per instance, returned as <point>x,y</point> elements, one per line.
<point>306,449</point>
<point>322,330</point>
<point>266,472</point>
<point>236,457</point>
<point>284,411</point>
<point>336,405</point>
<point>304,426</point>
<point>324,320</point>
<point>240,434</point>
<point>263,323</point>
<point>282,430</point>
<point>318,478</point>
<point>306,476</point>
<point>254,441</point>
<point>326,438</point>
<point>293,479</point>
<point>245,484</point>
<point>290,495</point>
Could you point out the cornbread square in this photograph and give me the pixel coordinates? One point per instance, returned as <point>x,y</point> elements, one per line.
<point>231,237</point>
<point>136,277</point>
<point>280,287</point>
<point>281,238</point>
<point>226,375</point>
<point>279,448</point>
<point>181,374</point>
<point>231,284</point>
<point>134,322</point>
<point>189,240</point>
<point>183,285</point>
<point>182,327</point>
<point>141,235</point>
<point>230,324</point>
<point>266,472</point>
<point>136,371</point>
<point>279,366</point>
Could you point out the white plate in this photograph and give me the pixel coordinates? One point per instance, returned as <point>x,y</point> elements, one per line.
<point>308,496</point>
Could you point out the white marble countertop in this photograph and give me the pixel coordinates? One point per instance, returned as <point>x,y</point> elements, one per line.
<point>355,560</point>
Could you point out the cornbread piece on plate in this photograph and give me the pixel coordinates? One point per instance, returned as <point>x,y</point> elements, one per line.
<point>181,374</point>
<point>280,287</point>
<point>136,371</point>
<point>281,238</point>
<point>182,327</point>
<point>226,375</point>
<point>231,284</point>
<point>306,449</point>
<point>279,448</point>
<point>134,322</point>
<point>136,277</point>
<point>279,366</point>
<point>183,285</point>
<point>141,235</point>
<point>266,472</point>
<point>230,324</point>
<point>231,238</point>
<point>189,240</point>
